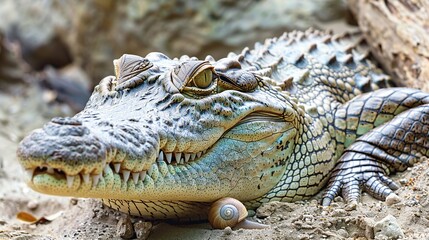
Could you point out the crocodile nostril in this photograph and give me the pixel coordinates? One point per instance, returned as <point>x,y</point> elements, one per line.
<point>65,127</point>
<point>66,121</point>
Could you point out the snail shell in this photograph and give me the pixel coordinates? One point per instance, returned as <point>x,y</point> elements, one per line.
<point>226,212</point>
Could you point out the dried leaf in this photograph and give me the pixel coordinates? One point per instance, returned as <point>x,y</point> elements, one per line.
<point>29,218</point>
<point>26,217</point>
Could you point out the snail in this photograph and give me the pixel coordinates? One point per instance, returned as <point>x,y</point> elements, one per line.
<point>229,212</point>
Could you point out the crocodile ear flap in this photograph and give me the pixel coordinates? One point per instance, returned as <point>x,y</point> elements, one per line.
<point>237,79</point>
<point>128,67</point>
<point>232,77</point>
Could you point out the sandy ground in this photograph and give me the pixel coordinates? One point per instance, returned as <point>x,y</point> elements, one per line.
<point>89,219</point>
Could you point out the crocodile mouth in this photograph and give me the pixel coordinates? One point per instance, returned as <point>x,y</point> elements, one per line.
<point>169,160</point>
<point>59,164</point>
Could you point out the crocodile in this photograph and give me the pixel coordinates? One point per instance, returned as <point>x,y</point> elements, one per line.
<point>166,137</point>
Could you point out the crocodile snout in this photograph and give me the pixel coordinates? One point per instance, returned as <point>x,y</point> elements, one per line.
<point>64,144</point>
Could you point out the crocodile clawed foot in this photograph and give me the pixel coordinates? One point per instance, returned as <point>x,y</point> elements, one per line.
<point>350,181</point>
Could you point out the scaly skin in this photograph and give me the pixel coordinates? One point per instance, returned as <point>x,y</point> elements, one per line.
<point>268,124</point>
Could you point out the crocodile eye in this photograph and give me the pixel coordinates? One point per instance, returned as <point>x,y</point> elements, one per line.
<point>203,79</point>
<point>194,78</point>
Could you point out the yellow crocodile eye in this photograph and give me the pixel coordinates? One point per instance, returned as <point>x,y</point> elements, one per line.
<point>203,79</point>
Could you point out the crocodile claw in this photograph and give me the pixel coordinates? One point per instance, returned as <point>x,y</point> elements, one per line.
<point>349,181</point>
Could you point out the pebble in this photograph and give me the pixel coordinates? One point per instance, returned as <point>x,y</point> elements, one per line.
<point>338,199</point>
<point>251,213</point>
<point>335,205</point>
<point>339,213</point>
<point>403,181</point>
<point>227,230</point>
<point>392,199</point>
<point>33,204</point>
<point>125,228</point>
<point>351,206</point>
<point>73,201</point>
<point>369,228</point>
<point>388,228</point>
<point>343,233</point>
<point>308,218</point>
<point>142,229</point>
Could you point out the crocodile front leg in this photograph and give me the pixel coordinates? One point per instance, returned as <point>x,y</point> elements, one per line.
<point>386,148</point>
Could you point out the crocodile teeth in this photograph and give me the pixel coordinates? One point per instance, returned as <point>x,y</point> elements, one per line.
<point>106,168</point>
<point>182,161</point>
<point>161,157</point>
<point>29,173</point>
<point>136,177</point>
<point>193,156</point>
<point>70,180</point>
<point>178,156</point>
<point>85,178</point>
<point>126,175</point>
<point>50,170</point>
<point>117,167</point>
<point>168,156</point>
<point>199,154</point>
<point>150,170</point>
<point>95,179</point>
<point>187,156</point>
<point>142,175</point>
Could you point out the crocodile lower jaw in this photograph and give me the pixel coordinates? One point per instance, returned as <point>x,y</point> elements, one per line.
<point>51,180</point>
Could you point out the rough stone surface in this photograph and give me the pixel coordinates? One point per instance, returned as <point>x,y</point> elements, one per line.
<point>40,28</point>
<point>125,228</point>
<point>93,33</point>
<point>388,228</point>
<point>11,71</point>
<point>398,33</point>
<point>142,229</point>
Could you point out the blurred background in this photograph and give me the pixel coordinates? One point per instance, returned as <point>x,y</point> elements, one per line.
<point>66,47</point>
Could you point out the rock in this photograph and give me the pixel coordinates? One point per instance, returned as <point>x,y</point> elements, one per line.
<point>22,235</point>
<point>74,201</point>
<point>11,71</point>
<point>69,85</point>
<point>338,199</point>
<point>142,229</point>
<point>2,172</point>
<point>388,228</point>
<point>397,34</point>
<point>37,27</point>
<point>369,228</point>
<point>227,230</point>
<point>339,212</point>
<point>125,228</point>
<point>343,233</point>
<point>33,204</point>
<point>403,181</point>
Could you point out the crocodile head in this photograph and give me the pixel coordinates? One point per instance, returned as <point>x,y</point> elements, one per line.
<point>168,130</point>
